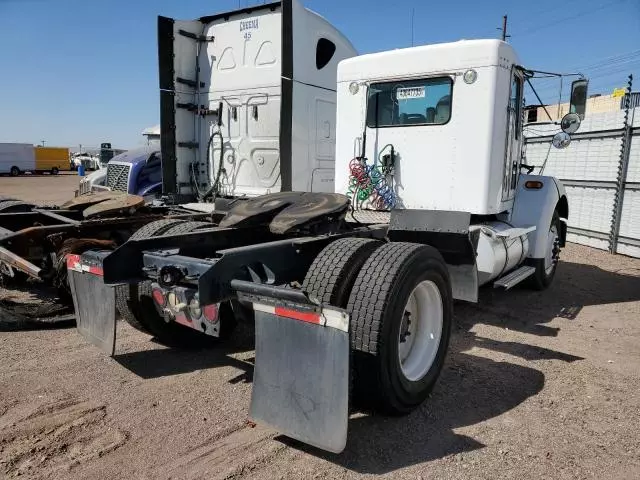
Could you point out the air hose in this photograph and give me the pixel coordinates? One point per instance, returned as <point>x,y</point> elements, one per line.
<point>370,182</point>
<point>215,188</point>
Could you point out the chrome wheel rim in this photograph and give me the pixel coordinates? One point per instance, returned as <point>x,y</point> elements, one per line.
<point>553,249</point>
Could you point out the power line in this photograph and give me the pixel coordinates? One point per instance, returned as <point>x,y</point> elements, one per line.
<point>529,31</point>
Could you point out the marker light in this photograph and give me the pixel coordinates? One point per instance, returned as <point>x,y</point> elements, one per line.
<point>470,76</point>
<point>211,312</point>
<point>533,184</point>
<point>158,297</point>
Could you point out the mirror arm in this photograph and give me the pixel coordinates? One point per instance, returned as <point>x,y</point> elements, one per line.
<point>538,97</point>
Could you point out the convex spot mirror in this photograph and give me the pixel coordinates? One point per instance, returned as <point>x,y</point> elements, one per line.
<point>561,140</point>
<point>578,102</point>
<point>570,123</point>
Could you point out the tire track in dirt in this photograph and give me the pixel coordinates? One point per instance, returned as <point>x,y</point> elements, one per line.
<point>43,437</point>
<point>242,451</point>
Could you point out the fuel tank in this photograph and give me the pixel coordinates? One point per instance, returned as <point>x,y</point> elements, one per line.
<point>498,253</point>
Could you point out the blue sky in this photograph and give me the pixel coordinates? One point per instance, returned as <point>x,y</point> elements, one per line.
<point>85,71</point>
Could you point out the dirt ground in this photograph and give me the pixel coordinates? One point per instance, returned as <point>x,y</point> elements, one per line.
<point>536,385</point>
<point>41,189</point>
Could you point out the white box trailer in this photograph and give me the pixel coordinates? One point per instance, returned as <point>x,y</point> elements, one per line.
<point>17,158</point>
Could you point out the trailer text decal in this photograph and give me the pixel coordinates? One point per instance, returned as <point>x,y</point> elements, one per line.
<point>248,25</point>
<point>409,92</point>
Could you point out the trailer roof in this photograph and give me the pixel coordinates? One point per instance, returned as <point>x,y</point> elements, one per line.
<point>428,59</point>
<point>267,6</point>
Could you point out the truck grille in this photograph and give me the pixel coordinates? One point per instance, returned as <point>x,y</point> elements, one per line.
<point>118,177</point>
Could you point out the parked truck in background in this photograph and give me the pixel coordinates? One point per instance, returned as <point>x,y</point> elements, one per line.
<point>51,159</point>
<point>16,158</point>
<point>351,287</point>
<point>137,171</point>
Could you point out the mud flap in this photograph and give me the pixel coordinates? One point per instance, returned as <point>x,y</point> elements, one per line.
<point>301,377</point>
<point>93,301</point>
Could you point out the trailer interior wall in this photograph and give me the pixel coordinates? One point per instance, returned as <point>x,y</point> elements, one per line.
<point>589,169</point>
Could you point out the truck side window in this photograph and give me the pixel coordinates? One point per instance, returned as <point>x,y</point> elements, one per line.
<point>324,52</point>
<point>515,103</point>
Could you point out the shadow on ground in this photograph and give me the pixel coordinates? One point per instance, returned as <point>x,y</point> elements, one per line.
<point>173,361</point>
<point>575,286</point>
<point>471,389</point>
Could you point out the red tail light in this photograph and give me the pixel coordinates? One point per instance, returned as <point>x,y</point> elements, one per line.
<point>158,297</point>
<point>210,312</point>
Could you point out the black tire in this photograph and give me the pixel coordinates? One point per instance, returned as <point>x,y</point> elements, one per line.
<point>377,308</point>
<point>10,206</point>
<point>542,278</point>
<point>54,171</point>
<point>127,296</point>
<point>331,275</point>
<point>187,227</point>
<point>15,171</point>
<point>171,333</point>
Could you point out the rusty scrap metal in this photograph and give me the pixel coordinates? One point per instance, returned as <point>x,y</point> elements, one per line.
<point>126,204</point>
<point>19,263</point>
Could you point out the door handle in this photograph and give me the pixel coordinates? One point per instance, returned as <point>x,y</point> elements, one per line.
<point>255,112</point>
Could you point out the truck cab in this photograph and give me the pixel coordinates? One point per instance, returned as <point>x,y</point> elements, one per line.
<point>137,172</point>
<point>248,102</point>
<point>439,128</point>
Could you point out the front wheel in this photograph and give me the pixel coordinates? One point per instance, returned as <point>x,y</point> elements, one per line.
<point>401,308</point>
<point>54,171</point>
<point>15,171</point>
<point>546,267</point>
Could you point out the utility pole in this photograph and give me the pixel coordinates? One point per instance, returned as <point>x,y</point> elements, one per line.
<point>413,13</point>
<point>504,29</point>
<point>43,142</point>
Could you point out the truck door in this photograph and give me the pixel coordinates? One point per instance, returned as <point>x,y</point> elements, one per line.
<point>514,137</point>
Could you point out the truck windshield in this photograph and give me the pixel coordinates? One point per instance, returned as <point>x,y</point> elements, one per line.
<point>409,102</point>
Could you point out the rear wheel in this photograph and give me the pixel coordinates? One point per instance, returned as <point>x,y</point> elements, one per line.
<point>169,332</point>
<point>546,267</point>
<point>15,171</point>
<point>54,171</point>
<point>127,296</point>
<point>331,275</point>
<point>401,308</point>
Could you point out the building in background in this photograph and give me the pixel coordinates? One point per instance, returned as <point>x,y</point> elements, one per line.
<point>152,134</point>
<point>595,104</point>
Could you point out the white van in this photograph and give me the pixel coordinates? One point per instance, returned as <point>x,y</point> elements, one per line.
<point>17,158</point>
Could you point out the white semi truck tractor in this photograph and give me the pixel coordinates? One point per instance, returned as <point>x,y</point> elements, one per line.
<point>351,290</point>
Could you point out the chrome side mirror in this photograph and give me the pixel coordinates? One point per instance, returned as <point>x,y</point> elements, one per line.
<point>561,140</point>
<point>570,123</point>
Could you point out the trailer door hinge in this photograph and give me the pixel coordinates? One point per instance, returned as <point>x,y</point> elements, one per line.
<point>188,144</point>
<point>186,81</point>
<point>199,38</point>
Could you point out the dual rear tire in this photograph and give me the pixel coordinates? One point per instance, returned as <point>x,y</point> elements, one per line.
<point>399,299</point>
